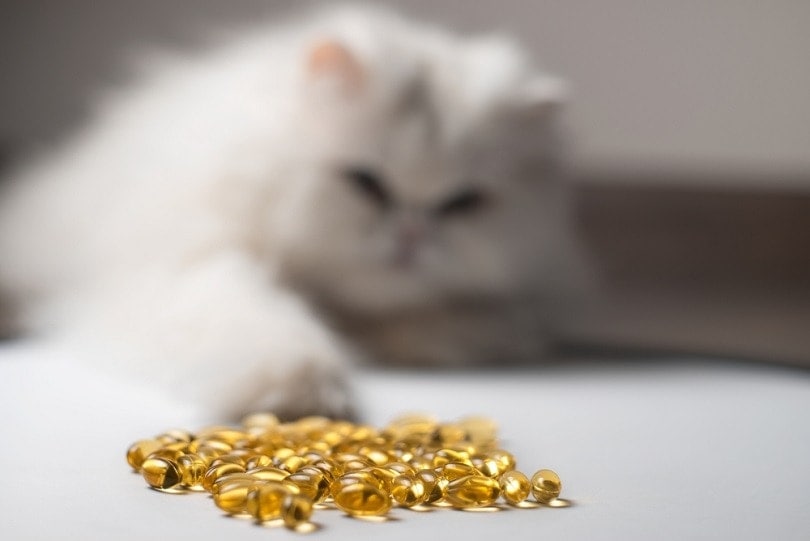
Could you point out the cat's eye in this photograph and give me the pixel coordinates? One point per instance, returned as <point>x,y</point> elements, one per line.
<point>369,183</point>
<point>465,201</point>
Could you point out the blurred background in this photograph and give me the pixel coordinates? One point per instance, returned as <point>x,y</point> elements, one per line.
<point>691,155</point>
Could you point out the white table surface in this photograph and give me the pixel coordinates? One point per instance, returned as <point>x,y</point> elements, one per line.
<point>646,450</point>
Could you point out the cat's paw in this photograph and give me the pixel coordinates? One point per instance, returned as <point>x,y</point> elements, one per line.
<point>290,388</point>
<point>312,388</point>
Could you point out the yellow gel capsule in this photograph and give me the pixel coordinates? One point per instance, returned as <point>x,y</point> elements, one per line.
<point>450,434</point>
<point>328,468</point>
<point>174,436</point>
<point>160,473</point>
<point>229,435</point>
<point>546,486</point>
<point>215,472</point>
<point>354,478</point>
<point>292,463</point>
<point>232,493</point>
<point>488,466</point>
<point>264,502</point>
<point>435,485</point>
<point>445,456</point>
<point>353,462</point>
<point>209,446</point>
<point>408,490</point>
<point>295,510</point>
<point>362,499</point>
<point>515,487</point>
<point>258,461</point>
<point>420,462</point>
<point>268,473</point>
<point>479,431</point>
<point>227,459</point>
<point>472,491</point>
<point>384,476</point>
<point>139,450</point>
<point>309,486</point>
<point>167,452</point>
<point>504,458</point>
<point>400,468</point>
<point>265,421</point>
<point>456,470</point>
<point>192,470</point>
<point>320,480</point>
<point>413,423</point>
<point>228,477</point>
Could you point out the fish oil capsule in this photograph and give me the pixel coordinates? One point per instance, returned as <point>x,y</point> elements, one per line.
<point>282,453</point>
<point>450,434</point>
<point>328,468</point>
<point>515,487</point>
<point>456,470</point>
<point>479,431</point>
<point>435,485</point>
<point>258,461</point>
<point>265,421</point>
<point>139,450</point>
<point>350,462</point>
<point>192,470</point>
<point>362,499</point>
<point>384,476</point>
<point>211,446</point>
<point>417,423</point>
<point>295,510</point>
<point>167,453</point>
<point>242,454</point>
<point>174,436</point>
<point>321,446</point>
<point>354,478</point>
<point>400,468</point>
<point>420,463</point>
<point>472,491</point>
<point>312,455</point>
<point>227,459</point>
<point>408,490</point>
<point>231,495</point>
<point>546,486</point>
<point>308,485</point>
<point>160,473</point>
<point>263,502</point>
<point>268,473</point>
<point>445,456</point>
<point>229,435</point>
<point>488,466</point>
<point>321,480</point>
<point>215,472</point>
<point>228,477</point>
<point>401,454</point>
<point>504,458</point>
<point>378,457</point>
<point>292,463</point>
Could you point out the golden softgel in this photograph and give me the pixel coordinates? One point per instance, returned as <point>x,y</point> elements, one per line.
<point>270,470</point>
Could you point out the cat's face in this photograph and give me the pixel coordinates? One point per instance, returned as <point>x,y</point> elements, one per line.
<point>410,192</point>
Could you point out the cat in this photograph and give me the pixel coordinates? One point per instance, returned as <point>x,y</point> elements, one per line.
<point>241,224</point>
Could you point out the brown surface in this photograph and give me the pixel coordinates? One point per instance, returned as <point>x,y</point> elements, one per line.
<point>703,270</point>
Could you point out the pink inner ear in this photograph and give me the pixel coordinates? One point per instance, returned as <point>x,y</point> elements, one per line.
<point>330,59</point>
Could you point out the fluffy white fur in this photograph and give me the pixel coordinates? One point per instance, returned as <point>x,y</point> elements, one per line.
<point>202,231</point>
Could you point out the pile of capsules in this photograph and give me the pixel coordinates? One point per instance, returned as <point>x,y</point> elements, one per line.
<point>280,472</point>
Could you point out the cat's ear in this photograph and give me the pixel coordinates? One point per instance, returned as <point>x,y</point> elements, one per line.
<point>331,64</point>
<point>541,95</point>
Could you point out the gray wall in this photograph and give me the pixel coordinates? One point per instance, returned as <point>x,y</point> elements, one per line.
<point>708,90</point>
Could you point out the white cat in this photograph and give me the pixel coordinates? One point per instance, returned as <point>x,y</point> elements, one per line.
<point>239,221</point>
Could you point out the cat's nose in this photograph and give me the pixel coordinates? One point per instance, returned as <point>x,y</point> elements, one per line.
<point>410,234</point>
